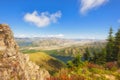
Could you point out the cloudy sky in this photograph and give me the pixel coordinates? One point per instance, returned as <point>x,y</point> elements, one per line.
<point>61,18</point>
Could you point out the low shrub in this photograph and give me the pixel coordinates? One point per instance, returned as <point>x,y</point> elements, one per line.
<point>111,66</point>
<point>91,65</point>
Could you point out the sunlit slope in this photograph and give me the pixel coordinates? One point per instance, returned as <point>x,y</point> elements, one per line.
<point>46,61</point>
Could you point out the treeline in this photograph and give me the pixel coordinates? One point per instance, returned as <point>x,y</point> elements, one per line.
<point>111,52</point>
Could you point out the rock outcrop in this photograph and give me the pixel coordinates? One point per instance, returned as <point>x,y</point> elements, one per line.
<point>13,64</point>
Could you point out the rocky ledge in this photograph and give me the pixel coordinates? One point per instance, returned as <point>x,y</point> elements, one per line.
<point>13,64</point>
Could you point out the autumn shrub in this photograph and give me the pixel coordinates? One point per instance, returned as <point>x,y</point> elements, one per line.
<point>65,74</point>
<point>91,65</point>
<point>111,66</point>
<point>66,77</point>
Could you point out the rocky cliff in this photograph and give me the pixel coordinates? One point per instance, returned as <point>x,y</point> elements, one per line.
<point>13,64</point>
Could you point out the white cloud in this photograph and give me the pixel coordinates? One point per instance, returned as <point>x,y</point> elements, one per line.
<point>57,35</point>
<point>43,19</point>
<point>20,35</point>
<point>87,5</point>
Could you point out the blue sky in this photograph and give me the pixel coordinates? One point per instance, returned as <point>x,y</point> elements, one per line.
<point>61,18</point>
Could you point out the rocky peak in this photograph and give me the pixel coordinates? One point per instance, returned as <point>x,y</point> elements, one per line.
<point>13,64</point>
<point>8,46</point>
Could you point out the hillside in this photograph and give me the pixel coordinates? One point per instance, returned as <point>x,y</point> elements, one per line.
<point>45,61</point>
<point>67,53</point>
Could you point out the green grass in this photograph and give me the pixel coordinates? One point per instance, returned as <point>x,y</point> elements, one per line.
<point>53,53</point>
<point>46,61</point>
<point>25,51</point>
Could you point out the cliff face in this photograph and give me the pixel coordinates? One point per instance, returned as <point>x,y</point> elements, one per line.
<point>13,64</point>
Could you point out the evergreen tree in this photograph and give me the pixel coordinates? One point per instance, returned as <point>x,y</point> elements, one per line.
<point>87,55</point>
<point>101,57</point>
<point>78,61</point>
<point>109,47</point>
<point>117,47</point>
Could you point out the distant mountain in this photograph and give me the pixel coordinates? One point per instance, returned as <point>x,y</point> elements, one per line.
<point>49,43</point>
<point>44,43</point>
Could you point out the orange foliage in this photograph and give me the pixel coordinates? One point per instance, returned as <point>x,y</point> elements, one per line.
<point>64,75</point>
<point>91,65</point>
<point>110,65</point>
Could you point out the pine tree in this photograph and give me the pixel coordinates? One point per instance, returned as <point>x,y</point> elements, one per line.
<point>109,47</point>
<point>87,55</point>
<point>78,60</point>
<point>101,57</point>
<point>117,47</point>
